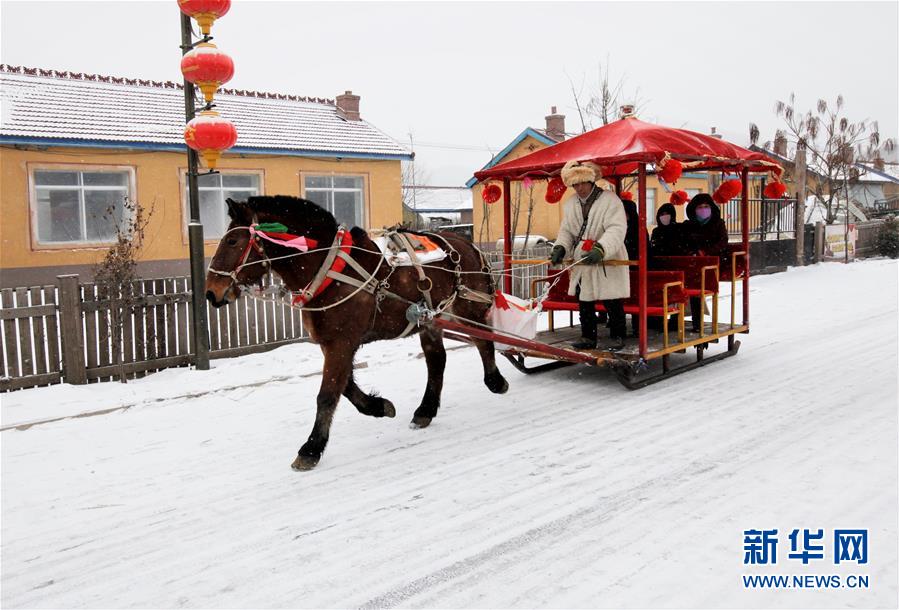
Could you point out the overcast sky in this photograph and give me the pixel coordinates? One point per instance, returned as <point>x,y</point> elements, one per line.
<point>465,78</point>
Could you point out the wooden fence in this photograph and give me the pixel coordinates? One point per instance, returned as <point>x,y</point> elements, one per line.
<point>868,232</point>
<point>65,332</point>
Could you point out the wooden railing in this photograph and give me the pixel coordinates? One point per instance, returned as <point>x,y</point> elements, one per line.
<point>66,333</point>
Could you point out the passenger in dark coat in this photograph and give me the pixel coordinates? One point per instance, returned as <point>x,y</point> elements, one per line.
<point>704,230</point>
<point>632,243</point>
<point>704,234</point>
<point>667,238</point>
<point>632,237</point>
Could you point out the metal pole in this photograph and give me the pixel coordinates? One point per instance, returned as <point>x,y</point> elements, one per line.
<point>641,256</point>
<point>507,237</point>
<point>744,221</point>
<point>195,227</point>
<point>801,194</point>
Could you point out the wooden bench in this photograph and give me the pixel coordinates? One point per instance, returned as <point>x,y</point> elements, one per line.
<point>665,295</point>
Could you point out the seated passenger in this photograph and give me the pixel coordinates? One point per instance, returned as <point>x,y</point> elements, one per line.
<point>632,237</point>
<point>667,238</point>
<point>705,234</point>
<point>704,231</point>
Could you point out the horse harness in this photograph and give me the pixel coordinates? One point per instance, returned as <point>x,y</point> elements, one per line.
<point>338,257</point>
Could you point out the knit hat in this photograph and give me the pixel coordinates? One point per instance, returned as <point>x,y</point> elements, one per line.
<point>576,172</point>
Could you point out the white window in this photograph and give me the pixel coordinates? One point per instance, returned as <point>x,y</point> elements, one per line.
<point>343,196</point>
<point>214,190</point>
<point>691,193</point>
<point>79,206</point>
<point>650,206</point>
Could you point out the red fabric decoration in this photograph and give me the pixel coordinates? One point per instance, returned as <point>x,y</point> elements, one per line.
<point>626,196</point>
<point>554,190</point>
<point>679,197</point>
<point>671,171</point>
<point>727,191</point>
<point>775,190</point>
<point>491,193</point>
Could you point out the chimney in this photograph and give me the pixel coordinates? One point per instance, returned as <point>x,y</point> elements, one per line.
<point>555,125</point>
<point>348,106</point>
<point>627,111</point>
<point>780,145</point>
<point>879,163</point>
<point>715,134</point>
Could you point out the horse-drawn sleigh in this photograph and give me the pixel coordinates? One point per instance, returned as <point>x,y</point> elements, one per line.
<point>351,296</point>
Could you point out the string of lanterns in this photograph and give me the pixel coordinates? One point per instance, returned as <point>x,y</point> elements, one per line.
<point>207,68</point>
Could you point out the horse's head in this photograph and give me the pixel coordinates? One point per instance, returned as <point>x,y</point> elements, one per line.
<point>241,259</point>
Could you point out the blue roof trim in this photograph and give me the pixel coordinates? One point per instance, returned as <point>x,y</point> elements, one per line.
<point>499,156</point>
<point>245,150</point>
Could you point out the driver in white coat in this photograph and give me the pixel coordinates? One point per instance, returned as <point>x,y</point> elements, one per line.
<point>592,231</point>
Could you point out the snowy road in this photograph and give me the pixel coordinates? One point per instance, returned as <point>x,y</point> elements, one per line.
<point>569,491</point>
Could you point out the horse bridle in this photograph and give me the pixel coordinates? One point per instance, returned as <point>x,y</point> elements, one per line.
<point>254,243</point>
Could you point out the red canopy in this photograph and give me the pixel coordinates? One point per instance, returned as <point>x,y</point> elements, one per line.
<point>618,147</point>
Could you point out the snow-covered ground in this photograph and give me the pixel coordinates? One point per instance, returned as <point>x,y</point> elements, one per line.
<point>569,491</point>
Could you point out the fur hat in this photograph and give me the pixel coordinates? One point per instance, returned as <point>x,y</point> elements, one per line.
<point>576,172</point>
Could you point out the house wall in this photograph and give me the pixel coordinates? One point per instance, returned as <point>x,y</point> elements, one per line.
<point>159,183</point>
<point>547,217</point>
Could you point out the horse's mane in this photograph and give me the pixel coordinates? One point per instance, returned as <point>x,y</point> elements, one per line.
<point>294,212</point>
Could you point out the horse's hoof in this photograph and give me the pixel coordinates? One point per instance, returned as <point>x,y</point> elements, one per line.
<point>419,422</point>
<point>389,409</point>
<point>496,383</point>
<point>304,462</point>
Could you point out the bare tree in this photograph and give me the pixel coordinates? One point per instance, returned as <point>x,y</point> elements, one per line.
<point>414,176</point>
<point>835,146</point>
<point>115,274</point>
<point>604,97</point>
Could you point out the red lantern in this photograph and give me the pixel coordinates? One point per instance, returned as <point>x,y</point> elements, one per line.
<point>626,196</point>
<point>670,170</point>
<point>208,68</point>
<point>491,193</point>
<point>555,188</point>
<point>204,11</point>
<point>727,191</point>
<point>210,134</point>
<point>679,197</point>
<point>775,190</point>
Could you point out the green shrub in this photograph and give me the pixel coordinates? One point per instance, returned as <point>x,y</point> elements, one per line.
<point>887,242</point>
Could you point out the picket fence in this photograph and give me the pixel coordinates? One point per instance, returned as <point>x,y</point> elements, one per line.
<point>63,332</point>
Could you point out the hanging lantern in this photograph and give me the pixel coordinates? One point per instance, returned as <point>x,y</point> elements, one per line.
<point>626,196</point>
<point>491,193</point>
<point>727,191</point>
<point>205,12</point>
<point>208,68</point>
<point>210,134</point>
<point>679,197</point>
<point>554,190</point>
<point>670,170</point>
<point>775,190</point>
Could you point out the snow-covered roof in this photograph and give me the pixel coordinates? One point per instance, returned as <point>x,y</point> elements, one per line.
<point>440,198</point>
<point>80,109</point>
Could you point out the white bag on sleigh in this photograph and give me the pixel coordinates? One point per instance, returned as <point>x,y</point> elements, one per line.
<point>514,316</point>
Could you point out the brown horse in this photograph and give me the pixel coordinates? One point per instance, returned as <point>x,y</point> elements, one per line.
<point>343,316</point>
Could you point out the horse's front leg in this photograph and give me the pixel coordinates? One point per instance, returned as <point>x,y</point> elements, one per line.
<point>335,374</point>
<point>368,404</point>
<point>435,357</point>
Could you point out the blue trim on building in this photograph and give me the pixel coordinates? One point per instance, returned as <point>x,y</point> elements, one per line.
<point>499,156</point>
<point>160,147</point>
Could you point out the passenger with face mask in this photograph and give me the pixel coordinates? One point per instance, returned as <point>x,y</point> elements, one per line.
<point>666,239</point>
<point>705,234</point>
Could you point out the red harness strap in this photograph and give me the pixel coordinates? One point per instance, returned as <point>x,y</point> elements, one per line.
<point>345,245</point>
